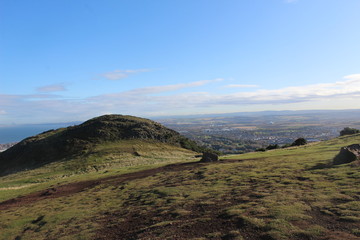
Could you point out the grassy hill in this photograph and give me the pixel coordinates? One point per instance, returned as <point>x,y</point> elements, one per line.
<point>292,193</point>
<point>91,143</point>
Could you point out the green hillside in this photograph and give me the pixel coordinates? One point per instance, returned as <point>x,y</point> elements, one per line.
<point>97,139</point>
<point>293,193</point>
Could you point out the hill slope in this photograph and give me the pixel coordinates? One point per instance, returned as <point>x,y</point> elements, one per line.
<point>281,194</point>
<point>81,141</point>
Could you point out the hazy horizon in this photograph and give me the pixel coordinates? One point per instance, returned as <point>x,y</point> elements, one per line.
<point>199,115</point>
<point>16,132</point>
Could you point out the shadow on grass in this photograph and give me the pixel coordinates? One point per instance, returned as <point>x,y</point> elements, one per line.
<point>321,166</point>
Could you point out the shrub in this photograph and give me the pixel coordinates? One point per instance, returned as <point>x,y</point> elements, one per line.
<point>260,150</point>
<point>299,142</point>
<point>272,146</point>
<point>349,131</point>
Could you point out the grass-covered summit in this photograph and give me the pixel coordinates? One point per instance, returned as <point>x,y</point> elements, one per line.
<point>83,140</point>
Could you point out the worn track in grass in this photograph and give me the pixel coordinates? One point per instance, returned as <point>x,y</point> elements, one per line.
<point>73,188</point>
<point>137,225</point>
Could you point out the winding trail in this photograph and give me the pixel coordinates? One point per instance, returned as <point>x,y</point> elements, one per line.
<point>73,188</point>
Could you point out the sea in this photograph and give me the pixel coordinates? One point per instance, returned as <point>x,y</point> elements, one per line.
<point>16,133</point>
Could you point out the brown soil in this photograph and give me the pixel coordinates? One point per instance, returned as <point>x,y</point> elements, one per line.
<point>203,221</point>
<point>337,229</point>
<point>73,188</point>
<point>206,221</point>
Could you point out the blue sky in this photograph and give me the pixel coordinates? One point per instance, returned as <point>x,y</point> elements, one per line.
<point>66,60</point>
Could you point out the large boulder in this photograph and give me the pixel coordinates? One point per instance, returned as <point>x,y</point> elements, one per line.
<point>209,157</point>
<point>348,154</point>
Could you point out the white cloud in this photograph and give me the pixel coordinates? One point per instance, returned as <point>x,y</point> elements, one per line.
<point>52,88</point>
<point>143,100</point>
<point>350,87</point>
<point>2,112</point>
<point>150,101</point>
<point>353,77</point>
<point>120,74</point>
<point>241,86</point>
<point>169,88</point>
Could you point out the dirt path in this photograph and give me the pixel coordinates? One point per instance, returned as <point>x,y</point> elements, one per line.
<point>73,188</point>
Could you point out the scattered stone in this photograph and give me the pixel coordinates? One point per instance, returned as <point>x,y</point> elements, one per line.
<point>348,154</point>
<point>209,157</point>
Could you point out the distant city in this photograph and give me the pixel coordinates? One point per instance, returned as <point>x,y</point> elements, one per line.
<point>231,133</point>
<point>245,132</point>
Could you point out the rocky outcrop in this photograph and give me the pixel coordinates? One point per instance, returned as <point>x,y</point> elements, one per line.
<point>209,157</point>
<point>348,154</point>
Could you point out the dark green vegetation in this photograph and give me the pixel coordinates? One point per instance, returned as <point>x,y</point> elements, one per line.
<point>272,146</point>
<point>292,193</point>
<point>89,140</point>
<point>349,131</point>
<point>299,142</point>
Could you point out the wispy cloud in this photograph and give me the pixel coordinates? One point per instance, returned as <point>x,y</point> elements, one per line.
<point>169,88</point>
<point>191,99</point>
<point>120,74</point>
<point>51,88</point>
<point>144,101</point>
<point>241,86</point>
<point>2,112</point>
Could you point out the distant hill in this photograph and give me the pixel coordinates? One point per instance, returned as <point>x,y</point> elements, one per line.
<point>80,140</point>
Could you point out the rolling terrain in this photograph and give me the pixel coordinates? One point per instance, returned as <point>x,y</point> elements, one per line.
<point>89,143</point>
<point>146,188</point>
